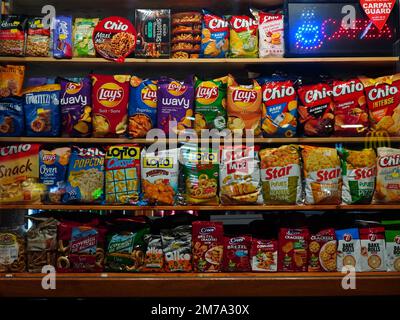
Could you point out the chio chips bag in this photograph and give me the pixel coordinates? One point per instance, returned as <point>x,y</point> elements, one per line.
<point>387,188</point>
<point>243,41</point>
<point>214,36</point>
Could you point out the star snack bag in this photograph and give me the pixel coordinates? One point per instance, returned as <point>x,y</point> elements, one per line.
<point>383,100</point>
<point>214,36</point>
<point>243,41</point>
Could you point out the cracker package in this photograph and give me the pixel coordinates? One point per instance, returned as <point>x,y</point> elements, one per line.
<point>62,37</point>
<point>159,176</point>
<point>85,180</point>
<point>12,117</point>
<point>264,255</point>
<point>19,178</point>
<point>207,246</point>
<point>142,108</point>
<point>350,108</point>
<point>210,104</point>
<point>358,172</point>
<point>372,249</point>
<point>200,174</point>
<point>76,108</point>
<point>12,35</point>
<point>240,175</point>
<point>38,38</point>
<point>293,249</point>
<point>244,107</point>
<point>237,253</point>
<point>243,42</point>
<point>323,181</point>
<point>383,100</point>
<point>53,166</point>
<point>322,250</point>
<point>42,111</point>
<point>214,36</point>
<point>279,115</point>
<point>83,37</point>
<point>392,237</point>
<point>281,175</point>
<point>122,165</point>
<point>316,109</point>
<point>154,257</point>
<point>387,188</point>
<point>175,105</point>
<point>110,95</point>
<point>177,248</point>
<point>11,80</point>
<point>349,249</point>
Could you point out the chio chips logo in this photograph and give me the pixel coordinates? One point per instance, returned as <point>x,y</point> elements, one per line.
<point>207,93</point>
<point>149,95</point>
<point>110,94</point>
<point>176,89</point>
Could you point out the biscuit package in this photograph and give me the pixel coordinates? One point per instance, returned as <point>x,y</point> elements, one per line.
<point>240,175</point>
<point>142,108</point>
<point>264,255</point>
<point>11,80</point>
<point>358,172</point>
<point>383,100</point>
<point>243,42</point>
<point>159,176</point>
<point>372,249</point>
<point>281,175</point>
<point>12,35</point>
<point>322,251</point>
<point>122,165</point>
<point>214,36</point>
<point>62,37</point>
<point>392,237</point>
<point>349,249</point>
<point>38,38</point>
<point>210,104</point>
<point>237,253</point>
<point>279,115</point>
<point>12,117</point>
<point>244,107</point>
<point>82,37</point>
<point>387,188</point>
<point>293,249</point>
<point>110,95</point>
<point>323,180</point>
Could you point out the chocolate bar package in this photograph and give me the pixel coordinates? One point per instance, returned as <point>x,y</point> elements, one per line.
<point>153,28</point>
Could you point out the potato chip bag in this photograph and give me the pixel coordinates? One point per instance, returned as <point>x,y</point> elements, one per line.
<point>12,122</point>
<point>11,80</point>
<point>243,41</point>
<point>387,188</point>
<point>214,36</point>
<point>83,37</point>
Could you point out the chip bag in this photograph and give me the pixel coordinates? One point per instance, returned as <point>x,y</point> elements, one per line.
<point>387,188</point>
<point>243,41</point>
<point>214,36</point>
<point>11,117</point>
<point>11,80</point>
<point>82,37</point>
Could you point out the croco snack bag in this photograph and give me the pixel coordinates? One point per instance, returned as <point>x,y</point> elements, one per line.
<point>243,37</point>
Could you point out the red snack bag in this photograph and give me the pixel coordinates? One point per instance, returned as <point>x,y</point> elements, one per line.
<point>208,245</point>
<point>110,95</point>
<point>80,247</point>
<point>237,253</point>
<point>264,255</point>
<point>383,99</point>
<point>316,109</point>
<point>293,246</point>
<point>351,114</point>
<point>322,251</point>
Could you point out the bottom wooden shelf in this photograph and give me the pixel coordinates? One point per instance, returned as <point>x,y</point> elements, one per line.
<point>82,285</point>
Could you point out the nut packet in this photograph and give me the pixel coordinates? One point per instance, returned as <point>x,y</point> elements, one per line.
<point>243,42</point>
<point>12,35</point>
<point>372,249</point>
<point>349,249</point>
<point>177,248</point>
<point>264,255</point>
<point>214,36</point>
<point>82,37</point>
<point>11,80</point>
<point>293,249</point>
<point>62,37</point>
<point>237,253</point>
<point>12,117</point>
<point>38,38</point>
<point>392,237</point>
<point>387,189</point>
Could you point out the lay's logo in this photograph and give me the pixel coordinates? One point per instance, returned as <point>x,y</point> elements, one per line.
<point>175,88</point>
<point>207,93</point>
<point>73,88</point>
<point>246,96</point>
<point>149,95</point>
<point>110,94</point>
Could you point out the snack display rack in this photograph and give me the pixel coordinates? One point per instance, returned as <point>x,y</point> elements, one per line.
<point>200,284</point>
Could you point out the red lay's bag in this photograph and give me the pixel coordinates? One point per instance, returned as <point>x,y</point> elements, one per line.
<point>243,41</point>
<point>316,109</point>
<point>351,115</point>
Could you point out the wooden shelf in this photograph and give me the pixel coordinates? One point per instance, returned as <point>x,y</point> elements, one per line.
<point>199,285</point>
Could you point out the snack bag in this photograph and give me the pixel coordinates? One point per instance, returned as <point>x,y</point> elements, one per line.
<point>323,181</point>
<point>62,37</point>
<point>82,37</point>
<point>279,115</point>
<point>322,251</point>
<point>154,258</point>
<point>372,249</point>
<point>383,100</point>
<point>85,176</point>
<point>349,249</point>
<point>200,174</point>
<point>177,248</point>
<point>12,35</point>
<point>387,188</point>
<point>142,108</point>
<point>122,164</point>
<point>110,95</point>
<point>316,109</point>
<point>210,104</point>
<point>350,108</point>
<point>11,80</point>
<point>38,38</point>
<point>159,176</point>
<point>240,175</point>
<point>175,105</point>
<point>243,42</point>
<point>214,36</point>
<point>264,255</point>
<point>19,181</point>
<point>293,249</point>
<point>244,107</point>
<point>11,117</point>
<point>270,32</point>
<point>281,175</point>
<point>237,253</point>
<point>42,111</point>
<point>76,108</point>
<point>208,246</point>
<point>53,166</point>
<point>358,172</point>
<point>392,237</point>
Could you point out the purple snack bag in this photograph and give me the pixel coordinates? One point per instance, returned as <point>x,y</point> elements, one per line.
<point>76,101</point>
<point>62,37</point>
<point>175,101</point>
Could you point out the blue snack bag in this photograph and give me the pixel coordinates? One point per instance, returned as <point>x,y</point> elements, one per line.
<point>62,37</point>
<point>214,36</point>
<point>11,117</point>
<point>42,111</point>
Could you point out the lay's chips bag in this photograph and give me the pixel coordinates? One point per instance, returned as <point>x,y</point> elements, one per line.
<point>214,36</point>
<point>243,37</point>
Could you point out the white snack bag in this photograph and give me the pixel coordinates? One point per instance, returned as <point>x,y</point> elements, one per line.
<point>387,188</point>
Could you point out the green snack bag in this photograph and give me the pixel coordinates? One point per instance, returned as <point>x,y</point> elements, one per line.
<point>392,237</point>
<point>243,41</point>
<point>82,35</point>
